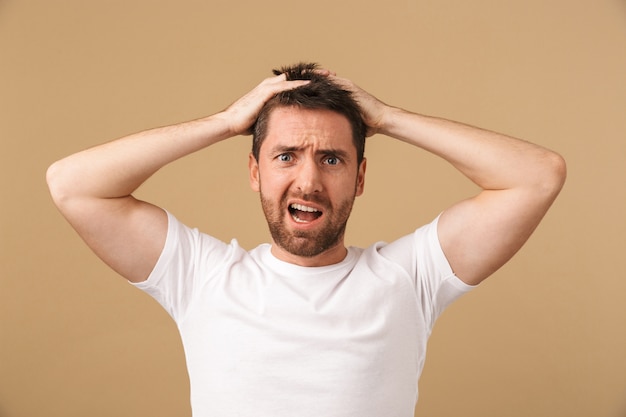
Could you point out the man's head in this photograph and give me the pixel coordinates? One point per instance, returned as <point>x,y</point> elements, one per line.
<point>307,164</point>
<point>320,94</point>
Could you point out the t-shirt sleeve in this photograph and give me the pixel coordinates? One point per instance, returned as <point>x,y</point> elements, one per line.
<point>189,259</point>
<point>435,283</point>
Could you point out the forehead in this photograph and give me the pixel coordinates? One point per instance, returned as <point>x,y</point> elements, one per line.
<point>316,128</point>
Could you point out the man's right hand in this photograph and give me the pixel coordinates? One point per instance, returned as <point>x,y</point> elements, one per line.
<point>241,115</point>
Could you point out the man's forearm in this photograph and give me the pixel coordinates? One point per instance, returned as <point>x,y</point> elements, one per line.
<point>118,168</point>
<point>493,161</point>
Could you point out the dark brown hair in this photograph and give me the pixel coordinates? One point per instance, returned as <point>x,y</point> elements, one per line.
<point>320,93</point>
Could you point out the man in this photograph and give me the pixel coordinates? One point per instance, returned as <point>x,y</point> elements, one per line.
<point>306,326</point>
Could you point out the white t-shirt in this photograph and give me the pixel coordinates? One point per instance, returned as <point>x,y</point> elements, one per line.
<point>266,338</point>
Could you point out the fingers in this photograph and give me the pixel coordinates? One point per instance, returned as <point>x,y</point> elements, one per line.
<point>325,72</point>
<point>372,109</point>
<point>243,112</point>
<point>280,83</point>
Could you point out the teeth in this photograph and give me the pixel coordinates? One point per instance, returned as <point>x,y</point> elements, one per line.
<point>303,208</point>
<point>298,220</point>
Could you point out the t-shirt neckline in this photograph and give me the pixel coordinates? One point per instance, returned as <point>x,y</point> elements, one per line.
<point>285,267</point>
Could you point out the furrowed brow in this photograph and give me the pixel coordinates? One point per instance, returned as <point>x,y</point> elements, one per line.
<point>285,149</point>
<point>340,153</point>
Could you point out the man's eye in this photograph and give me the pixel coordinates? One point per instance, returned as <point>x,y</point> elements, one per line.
<point>285,157</point>
<point>332,160</point>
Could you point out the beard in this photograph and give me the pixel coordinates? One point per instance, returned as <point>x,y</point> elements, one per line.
<point>307,243</point>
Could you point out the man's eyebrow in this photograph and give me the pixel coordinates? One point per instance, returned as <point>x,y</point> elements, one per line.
<point>285,148</point>
<point>340,153</point>
<point>278,149</point>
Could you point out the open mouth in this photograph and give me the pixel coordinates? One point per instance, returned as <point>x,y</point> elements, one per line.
<point>303,214</point>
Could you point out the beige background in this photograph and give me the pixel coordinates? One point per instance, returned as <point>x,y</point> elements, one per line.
<point>546,336</point>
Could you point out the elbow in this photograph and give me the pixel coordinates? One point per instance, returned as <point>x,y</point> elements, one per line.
<point>554,174</point>
<point>57,179</point>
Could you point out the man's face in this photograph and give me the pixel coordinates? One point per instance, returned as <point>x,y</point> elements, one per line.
<point>308,176</point>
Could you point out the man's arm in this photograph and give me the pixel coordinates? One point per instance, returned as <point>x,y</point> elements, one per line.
<point>93,188</point>
<point>519,182</point>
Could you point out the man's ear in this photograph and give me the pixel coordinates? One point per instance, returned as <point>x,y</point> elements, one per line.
<point>253,167</point>
<point>360,179</point>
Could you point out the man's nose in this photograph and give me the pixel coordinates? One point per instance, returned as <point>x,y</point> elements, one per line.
<point>309,177</point>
